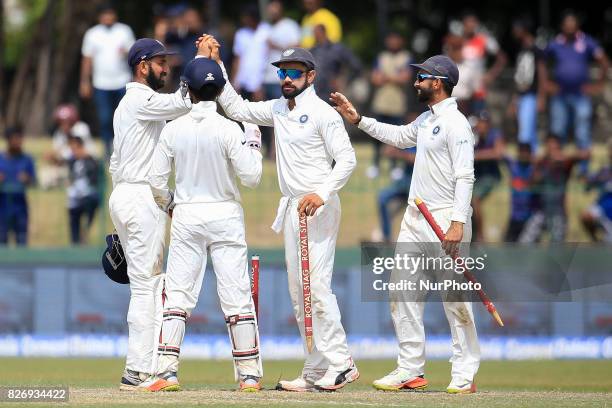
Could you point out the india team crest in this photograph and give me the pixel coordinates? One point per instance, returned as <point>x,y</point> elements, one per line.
<point>436,130</point>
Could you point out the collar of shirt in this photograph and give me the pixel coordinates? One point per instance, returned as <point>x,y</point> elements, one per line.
<point>134,84</point>
<point>307,94</point>
<point>442,106</point>
<point>203,109</point>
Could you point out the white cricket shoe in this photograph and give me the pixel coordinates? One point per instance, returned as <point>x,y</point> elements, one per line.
<point>298,385</point>
<point>460,386</point>
<point>400,379</point>
<point>135,381</point>
<point>334,380</point>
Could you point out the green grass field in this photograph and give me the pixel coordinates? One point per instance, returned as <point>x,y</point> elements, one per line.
<point>49,218</point>
<point>500,384</point>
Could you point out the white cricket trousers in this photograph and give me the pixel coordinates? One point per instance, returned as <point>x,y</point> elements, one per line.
<point>141,226</point>
<point>408,316</point>
<point>330,349</point>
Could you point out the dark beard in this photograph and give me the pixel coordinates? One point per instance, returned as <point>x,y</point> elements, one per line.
<point>425,95</point>
<point>154,82</point>
<point>293,94</point>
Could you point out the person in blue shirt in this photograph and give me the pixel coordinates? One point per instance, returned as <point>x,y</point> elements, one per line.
<point>522,198</point>
<point>598,218</point>
<point>571,52</point>
<point>16,174</point>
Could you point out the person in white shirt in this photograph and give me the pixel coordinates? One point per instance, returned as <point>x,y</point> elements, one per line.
<point>104,68</point>
<point>310,136</point>
<point>207,152</point>
<point>250,51</point>
<point>443,178</point>
<point>139,221</point>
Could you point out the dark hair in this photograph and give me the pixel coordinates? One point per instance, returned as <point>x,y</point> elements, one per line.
<point>252,11</point>
<point>469,13</point>
<point>77,140</point>
<point>13,131</point>
<point>552,136</point>
<point>447,87</point>
<point>105,8</point>
<point>208,92</point>
<point>524,147</point>
<point>569,13</point>
<point>525,23</point>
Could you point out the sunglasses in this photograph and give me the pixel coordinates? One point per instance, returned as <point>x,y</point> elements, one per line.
<point>293,74</point>
<point>424,77</point>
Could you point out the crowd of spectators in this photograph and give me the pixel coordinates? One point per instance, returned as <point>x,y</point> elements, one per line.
<point>553,79</point>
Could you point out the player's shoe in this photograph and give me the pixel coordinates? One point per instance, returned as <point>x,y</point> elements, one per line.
<point>459,386</point>
<point>400,379</point>
<point>334,380</point>
<point>134,381</point>
<point>167,381</point>
<point>298,385</point>
<point>250,383</point>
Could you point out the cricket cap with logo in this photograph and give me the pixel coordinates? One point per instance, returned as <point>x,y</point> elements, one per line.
<point>145,49</point>
<point>202,71</point>
<point>441,65</point>
<point>296,54</point>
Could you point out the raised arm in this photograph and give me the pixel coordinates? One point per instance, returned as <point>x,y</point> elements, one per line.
<point>398,136</point>
<point>159,106</point>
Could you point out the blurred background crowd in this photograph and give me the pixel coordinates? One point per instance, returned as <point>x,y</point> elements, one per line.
<point>534,84</point>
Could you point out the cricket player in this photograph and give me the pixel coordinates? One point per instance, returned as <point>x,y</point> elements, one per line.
<point>443,177</point>
<point>140,224</point>
<point>208,152</point>
<point>310,135</point>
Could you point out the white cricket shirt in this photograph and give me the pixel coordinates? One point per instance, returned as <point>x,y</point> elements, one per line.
<point>443,175</point>
<point>138,122</point>
<point>308,139</point>
<point>108,48</point>
<point>208,153</point>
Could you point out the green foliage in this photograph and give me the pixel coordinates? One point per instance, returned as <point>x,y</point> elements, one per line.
<point>17,36</point>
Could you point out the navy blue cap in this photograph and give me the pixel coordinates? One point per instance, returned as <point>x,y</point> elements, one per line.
<point>441,65</point>
<point>296,54</point>
<point>145,49</point>
<point>202,71</point>
<point>113,260</point>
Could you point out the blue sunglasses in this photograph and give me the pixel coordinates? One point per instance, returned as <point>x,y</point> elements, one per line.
<point>293,74</point>
<point>424,77</point>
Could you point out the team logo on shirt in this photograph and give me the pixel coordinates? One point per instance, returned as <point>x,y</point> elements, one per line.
<point>209,77</point>
<point>303,118</point>
<point>288,52</point>
<point>436,130</point>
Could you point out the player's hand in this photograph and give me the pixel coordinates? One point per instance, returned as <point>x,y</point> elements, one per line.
<point>206,44</point>
<point>453,238</point>
<point>252,135</point>
<point>85,90</point>
<point>309,204</point>
<point>345,107</point>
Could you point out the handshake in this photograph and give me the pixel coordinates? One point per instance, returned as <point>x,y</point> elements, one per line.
<point>208,47</point>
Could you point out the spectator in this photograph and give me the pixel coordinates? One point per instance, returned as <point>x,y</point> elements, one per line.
<point>598,218</point>
<point>16,174</point>
<point>550,177</point>
<point>475,46</point>
<point>250,53</point>
<point>571,52</point>
<point>331,59</point>
<point>530,82</point>
<point>66,117</point>
<point>318,15</point>
<point>398,190</point>
<point>389,77</point>
<point>83,196</point>
<point>104,68</point>
<point>522,199</point>
<point>488,151</point>
<point>284,33</point>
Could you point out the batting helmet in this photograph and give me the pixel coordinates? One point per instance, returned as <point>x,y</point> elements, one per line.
<point>113,260</point>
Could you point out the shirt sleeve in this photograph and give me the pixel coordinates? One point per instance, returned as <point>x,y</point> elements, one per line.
<point>461,148</point>
<point>241,110</point>
<point>31,170</point>
<point>399,136</point>
<point>87,49</point>
<point>129,38</point>
<point>338,145</point>
<point>593,48</point>
<point>161,166</point>
<point>246,162</point>
<point>160,106</point>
